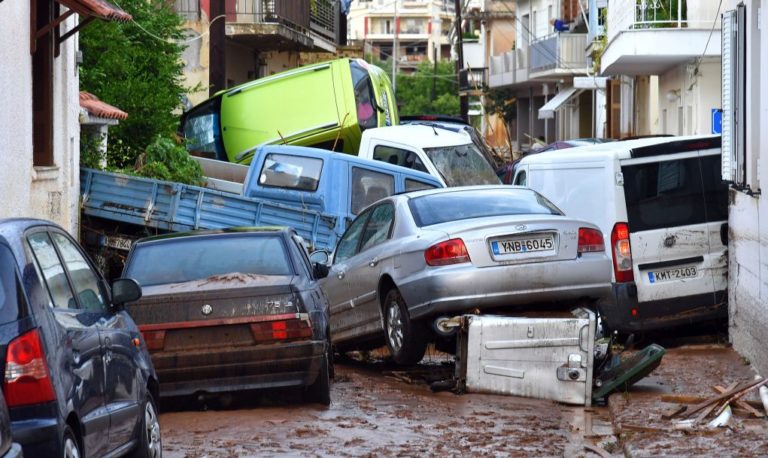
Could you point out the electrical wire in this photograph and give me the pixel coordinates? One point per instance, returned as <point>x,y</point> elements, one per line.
<point>168,40</point>
<point>701,58</point>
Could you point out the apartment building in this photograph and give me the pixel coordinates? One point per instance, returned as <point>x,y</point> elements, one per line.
<point>39,128</point>
<point>263,37</point>
<point>539,70</point>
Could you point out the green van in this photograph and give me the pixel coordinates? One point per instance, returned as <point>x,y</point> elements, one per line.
<point>325,105</point>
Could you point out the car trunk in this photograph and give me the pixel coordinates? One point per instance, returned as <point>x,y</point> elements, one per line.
<point>504,240</point>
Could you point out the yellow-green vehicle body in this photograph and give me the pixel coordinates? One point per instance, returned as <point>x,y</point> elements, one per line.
<point>325,105</point>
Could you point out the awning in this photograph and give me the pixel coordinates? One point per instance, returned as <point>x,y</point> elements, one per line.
<point>97,8</point>
<point>562,97</point>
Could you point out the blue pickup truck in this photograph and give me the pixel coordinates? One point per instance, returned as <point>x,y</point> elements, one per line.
<point>317,192</point>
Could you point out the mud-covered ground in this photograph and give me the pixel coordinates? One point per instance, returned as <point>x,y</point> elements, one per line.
<point>377,413</point>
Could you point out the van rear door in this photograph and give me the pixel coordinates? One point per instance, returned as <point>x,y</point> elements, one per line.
<point>676,206</point>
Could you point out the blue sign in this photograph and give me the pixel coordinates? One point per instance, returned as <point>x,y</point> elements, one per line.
<point>717,121</point>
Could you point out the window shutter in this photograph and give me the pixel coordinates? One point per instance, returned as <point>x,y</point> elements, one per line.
<point>733,103</point>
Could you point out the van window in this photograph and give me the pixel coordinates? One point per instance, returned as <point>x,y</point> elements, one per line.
<point>292,172</point>
<point>398,156</point>
<point>416,185</point>
<point>672,193</point>
<point>368,187</point>
<point>365,99</point>
<point>521,179</point>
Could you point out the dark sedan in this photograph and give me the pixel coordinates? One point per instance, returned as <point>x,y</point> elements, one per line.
<point>230,310</point>
<point>78,378</point>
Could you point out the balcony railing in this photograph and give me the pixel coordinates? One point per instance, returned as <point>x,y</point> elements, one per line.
<point>324,19</point>
<point>188,9</point>
<point>562,51</point>
<point>509,68</point>
<point>472,79</point>
<point>292,13</point>
<point>660,14</point>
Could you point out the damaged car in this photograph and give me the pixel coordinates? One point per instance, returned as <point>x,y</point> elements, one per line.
<point>231,310</point>
<point>410,260</point>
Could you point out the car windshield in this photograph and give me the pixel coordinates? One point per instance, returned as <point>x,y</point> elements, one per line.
<point>202,130</point>
<point>462,165</point>
<point>365,99</point>
<point>196,258</point>
<point>479,203</point>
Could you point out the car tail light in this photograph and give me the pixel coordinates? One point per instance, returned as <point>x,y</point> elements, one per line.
<point>282,330</point>
<point>590,240</point>
<point>449,252</point>
<point>155,340</point>
<point>27,380</point>
<point>622,253</point>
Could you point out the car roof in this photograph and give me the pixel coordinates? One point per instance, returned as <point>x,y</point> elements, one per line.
<point>420,135</point>
<point>224,231</point>
<point>492,187</point>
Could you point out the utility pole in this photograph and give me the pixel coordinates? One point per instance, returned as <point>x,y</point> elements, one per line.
<point>217,78</point>
<point>394,50</point>
<point>463,102</point>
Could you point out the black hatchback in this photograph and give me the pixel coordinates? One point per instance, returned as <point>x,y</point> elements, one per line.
<point>78,379</point>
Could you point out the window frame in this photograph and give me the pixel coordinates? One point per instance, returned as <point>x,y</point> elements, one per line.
<point>264,165</point>
<point>365,215</point>
<point>363,207</point>
<point>389,231</point>
<point>100,283</point>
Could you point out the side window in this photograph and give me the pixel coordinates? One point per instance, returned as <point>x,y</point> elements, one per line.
<point>398,156</point>
<point>715,190</point>
<point>379,226</point>
<point>53,271</point>
<point>303,253</point>
<point>293,172</point>
<point>12,301</point>
<point>84,280</point>
<point>521,179</point>
<point>347,246</point>
<point>368,187</point>
<point>416,185</point>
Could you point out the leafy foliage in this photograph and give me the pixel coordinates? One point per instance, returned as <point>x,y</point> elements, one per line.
<point>414,91</point>
<point>167,160</point>
<point>138,69</point>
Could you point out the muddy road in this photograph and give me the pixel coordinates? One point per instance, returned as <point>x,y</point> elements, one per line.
<point>377,410</point>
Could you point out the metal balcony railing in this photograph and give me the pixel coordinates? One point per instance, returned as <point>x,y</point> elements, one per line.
<point>324,19</point>
<point>562,50</point>
<point>473,79</point>
<point>660,14</point>
<point>188,9</point>
<point>291,13</point>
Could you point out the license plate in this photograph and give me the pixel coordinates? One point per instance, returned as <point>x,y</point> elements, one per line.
<point>523,245</point>
<point>119,243</point>
<point>678,273</point>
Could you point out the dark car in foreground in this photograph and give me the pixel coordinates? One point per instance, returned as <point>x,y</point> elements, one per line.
<point>410,260</point>
<point>78,378</point>
<point>231,310</point>
<point>8,448</point>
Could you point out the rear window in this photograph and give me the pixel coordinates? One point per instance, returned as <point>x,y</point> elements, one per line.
<point>291,172</point>
<point>675,193</point>
<point>197,258</point>
<point>12,301</point>
<point>481,203</point>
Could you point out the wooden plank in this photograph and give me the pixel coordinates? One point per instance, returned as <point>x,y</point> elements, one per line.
<point>701,416</point>
<point>740,403</point>
<point>597,450</point>
<point>741,393</point>
<point>672,413</point>
<point>690,399</point>
<point>725,396</point>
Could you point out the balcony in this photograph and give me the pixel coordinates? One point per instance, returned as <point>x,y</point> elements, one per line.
<point>508,69</point>
<point>472,80</point>
<point>649,37</point>
<point>562,53</point>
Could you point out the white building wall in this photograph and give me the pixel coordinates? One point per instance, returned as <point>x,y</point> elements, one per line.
<point>748,215</point>
<point>42,192</point>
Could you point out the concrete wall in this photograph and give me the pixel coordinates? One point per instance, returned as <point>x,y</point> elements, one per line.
<point>691,92</point>
<point>748,215</point>
<point>42,192</point>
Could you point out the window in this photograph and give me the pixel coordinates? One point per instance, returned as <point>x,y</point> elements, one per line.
<point>398,156</point>
<point>188,259</point>
<point>521,179</point>
<point>202,130</point>
<point>86,283</point>
<point>369,187</point>
<point>365,99</point>
<point>42,85</point>
<point>672,193</point>
<point>52,270</point>
<point>12,300</point>
<point>462,165</point>
<point>460,205</point>
<point>379,226</point>
<point>292,172</point>
<point>347,246</point>
<point>416,185</point>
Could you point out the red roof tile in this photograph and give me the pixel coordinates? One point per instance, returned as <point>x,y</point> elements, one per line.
<point>96,107</point>
<point>98,8</point>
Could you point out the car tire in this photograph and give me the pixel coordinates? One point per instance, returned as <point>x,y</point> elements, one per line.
<point>150,442</point>
<point>320,390</point>
<point>406,339</point>
<point>70,445</point>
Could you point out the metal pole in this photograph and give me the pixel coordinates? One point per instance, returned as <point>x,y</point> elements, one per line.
<point>217,79</point>
<point>463,102</point>
<point>394,51</point>
<point>434,74</point>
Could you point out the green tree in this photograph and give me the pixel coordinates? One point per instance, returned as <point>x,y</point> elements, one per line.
<point>415,90</point>
<point>137,67</point>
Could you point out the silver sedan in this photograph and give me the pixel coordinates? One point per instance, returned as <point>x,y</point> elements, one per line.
<point>409,259</point>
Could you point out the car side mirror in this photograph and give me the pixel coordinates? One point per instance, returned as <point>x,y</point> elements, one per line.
<point>319,257</point>
<point>319,270</point>
<point>125,290</point>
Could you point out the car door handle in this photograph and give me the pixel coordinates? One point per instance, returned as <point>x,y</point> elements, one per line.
<point>340,275</point>
<point>374,262</point>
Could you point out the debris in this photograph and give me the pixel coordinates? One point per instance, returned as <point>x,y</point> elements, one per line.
<point>639,428</point>
<point>728,397</point>
<point>690,399</point>
<point>741,403</point>
<point>722,419</point>
<point>597,450</point>
<point>672,413</point>
<point>764,397</point>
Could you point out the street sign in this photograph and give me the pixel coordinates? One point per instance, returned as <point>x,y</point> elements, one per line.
<point>717,121</point>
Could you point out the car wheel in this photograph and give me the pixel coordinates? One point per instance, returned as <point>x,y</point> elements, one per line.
<point>406,339</point>
<point>71,448</point>
<point>150,441</point>
<point>320,390</point>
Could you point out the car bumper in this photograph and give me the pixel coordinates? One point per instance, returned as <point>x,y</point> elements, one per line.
<point>38,437</point>
<point>462,287</point>
<point>617,313</point>
<point>183,373</point>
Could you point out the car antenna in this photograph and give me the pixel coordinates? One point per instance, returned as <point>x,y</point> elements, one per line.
<point>434,130</point>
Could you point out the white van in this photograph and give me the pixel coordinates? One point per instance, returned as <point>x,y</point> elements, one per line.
<point>663,206</point>
<point>449,154</point>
